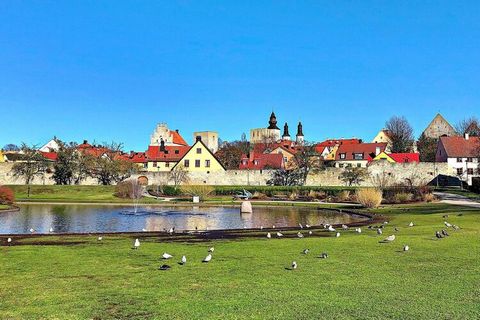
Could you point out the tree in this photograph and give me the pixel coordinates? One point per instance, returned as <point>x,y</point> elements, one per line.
<point>401,134</point>
<point>230,153</point>
<point>382,179</point>
<point>427,147</point>
<point>66,163</point>
<point>283,177</point>
<point>107,165</point>
<point>307,160</point>
<point>353,175</point>
<point>178,175</point>
<point>468,125</point>
<point>11,147</point>
<point>32,165</point>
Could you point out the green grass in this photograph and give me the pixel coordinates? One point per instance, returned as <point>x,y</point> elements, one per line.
<point>246,279</point>
<point>4,206</point>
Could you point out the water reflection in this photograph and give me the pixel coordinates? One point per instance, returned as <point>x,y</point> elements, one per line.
<point>98,218</point>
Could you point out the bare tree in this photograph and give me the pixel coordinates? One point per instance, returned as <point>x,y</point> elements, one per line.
<point>283,177</point>
<point>178,175</point>
<point>468,125</point>
<point>31,165</point>
<point>401,134</point>
<point>353,175</point>
<point>11,147</point>
<point>382,180</point>
<point>307,160</point>
<point>230,153</point>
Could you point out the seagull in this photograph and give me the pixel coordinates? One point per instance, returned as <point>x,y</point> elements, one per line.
<point>32,230</point>
<point>273,227</point>
<point>184,260</point>
<point>211,249</point>
<point>445,233</point>
<point>51,230</point>
<point>269,236</point>
<point>307,226</point>
<point>344,227</point>
<point>310,232</point>
<point>330,228</point>
<point>279,234</point>
<point>100,238</point>
<point>9,240</point>
<point>358,230</point>
<point>448,225</point>
<point>410,224</point>
<point>306,251</point>
<point>294,265</point>
<point>144,230</point>
<point>385,222</point>
<point>337,235</point>
<point>207,258</point>
<point>379,231</point>
<point>171,230</point>
<point>389,238</point>
<point>164,267</point>
<point>261,227</point>
<point>323,255</point>
<point>445,216</point>
<point>438,235</point>
<point>300,235</point>
<point>396,229</point>
<point>136,245</point>
<point>166,256</point>
<point>300,225</point>
<point>455,227</point>
<point>406,248</point>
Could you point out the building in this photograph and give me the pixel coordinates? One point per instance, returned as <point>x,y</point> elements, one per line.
<point>209,138</point>
<point>162,158</point>
<point>439,127</point>
<point>398,157</point>
<point>269,134</point>
<point>199,158</point>
<point>383,136</point>
<point>328,148</point>
<point>169,137</point>
<point>462,155</point>
<point>50,146</point>
<point>357,155</point>
<point>262,161</point>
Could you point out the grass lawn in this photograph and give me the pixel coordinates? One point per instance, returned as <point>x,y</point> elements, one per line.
<point>362,279</point>
<point>4,206</point>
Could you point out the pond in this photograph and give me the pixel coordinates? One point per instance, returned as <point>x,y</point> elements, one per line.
<point>81,218</point>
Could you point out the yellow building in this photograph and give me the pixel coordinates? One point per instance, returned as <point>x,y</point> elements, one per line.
<point>288,156</point>
<point>2,157</point>
<point>200,159</point>
<point>383,136</point>
<point>383,156</point>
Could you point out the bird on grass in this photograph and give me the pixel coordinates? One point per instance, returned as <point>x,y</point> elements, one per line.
<point>164,267</point>
<point>269,236</point>
<point>448,225</point>
<point>166,256</point>
<point>100,238</point>
<point>306,251</point>
<point>261,227</point>
<point>389,238</point>
<point>279,234</point>
<point>9,240</point>
<point>273,227</point>
<point>445,216</point>
<point>445,233</point>
<point>406,248</point>
<point>358,230</point>
<point>307,226</point>
<point>50,230</point>
<point>455,227</point>
<point>32,230</point>
<point>211,249</point>
<point>438,235</point>
<point>300,235</point>
<point>171,231</point>
<point>410,224</point>
<point>344,227</point>
<point>330,228</point>
<point>136,244</point>
<point>207,258</point>
<point>300,225</point>
<point>337,235</point>
<point>460,214</point>
<point>324,255</point>
<point>294,265</point>
<point>379,231</point>
<point>396,229</point>
<point>310,232</point>
<point>184,260</point>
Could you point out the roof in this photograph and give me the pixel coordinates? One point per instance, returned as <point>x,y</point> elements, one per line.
<point>457,146</point>
<point>177,138</point>
<point>137,157</point>
<point>50,155</point>
<point>171,153</point>
<point>405,157</point>
<point>369,150</point>
<point>319,147</point>
<point>287,145</point>
<point>261,161</point>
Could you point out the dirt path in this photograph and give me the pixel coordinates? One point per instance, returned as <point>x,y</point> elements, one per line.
<point>456,199</point>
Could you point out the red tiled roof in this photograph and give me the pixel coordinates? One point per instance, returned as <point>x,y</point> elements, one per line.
<point>50,155</point>
<point>457,147</point>
<point>367,149</point>
<point>136,157</point>
<point>261,161</point>
<point>405,157</point>
<point>171,153</point>
<point>177,138</point>
<point>319,147</point>
<point>287,145</point>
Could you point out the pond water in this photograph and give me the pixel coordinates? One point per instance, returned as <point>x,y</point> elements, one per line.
<point>101,218</point>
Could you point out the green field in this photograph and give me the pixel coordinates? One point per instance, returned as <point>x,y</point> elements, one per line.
<point>361,279</point>
<point>4,206</point>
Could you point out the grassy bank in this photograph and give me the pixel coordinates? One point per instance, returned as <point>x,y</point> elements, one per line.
<point>4,207</point>
<point>247,279</point>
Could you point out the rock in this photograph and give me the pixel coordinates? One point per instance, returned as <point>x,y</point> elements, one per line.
<point>246,207</point>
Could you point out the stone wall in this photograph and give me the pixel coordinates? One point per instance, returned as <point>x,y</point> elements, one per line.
<point>419,173</point>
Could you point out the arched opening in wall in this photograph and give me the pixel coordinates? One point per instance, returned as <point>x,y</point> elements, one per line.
<point>142,180</point>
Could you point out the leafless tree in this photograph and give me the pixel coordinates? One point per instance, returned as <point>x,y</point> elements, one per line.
<point>401,134</point>
<point>178,175</point>
<point>31,165</point>
<point>468,125</point>
<point>307,160</point>
<point>382,180</point>
<point>230,153</point>
<point>353,175</point>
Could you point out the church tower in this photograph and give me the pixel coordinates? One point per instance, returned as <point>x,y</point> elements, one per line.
<point>300,137</point>
<point>286,135</point>
<point>273,122</point>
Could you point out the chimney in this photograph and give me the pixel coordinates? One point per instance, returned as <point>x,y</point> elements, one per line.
<point>467,136</point>
<point>162,145</point>
<point>252,156</point>
<point>198,138</point>
<point>85,141</point>
<point>176,130</point>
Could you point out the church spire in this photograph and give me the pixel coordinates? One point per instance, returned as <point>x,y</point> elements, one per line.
<point>273,122</point>
<point>286,135</point>
<point>300,133</point>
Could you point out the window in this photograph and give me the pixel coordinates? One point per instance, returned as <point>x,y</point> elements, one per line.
<point>145,165</point>
<point>176,152</point>
<point>244,162</point>
<point>207,163</point>
<point>359,165</point>
<point>343,155</point>
<point>285,159</point>
<point>470,171</point>
<point>155,164</point>
<point>459,159</point>
<point>469,159</point>
<point>358,156</point>
<point>167,164</point>
<point>197,163</point>
<point>255,162</point>
<point>186,163</point>
<point>199,150</point>
<point>459,171</point>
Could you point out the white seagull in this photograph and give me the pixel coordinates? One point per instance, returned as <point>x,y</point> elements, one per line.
<point>344,227</point>
<point>390,238</point>
<point>330,228</point>
<point>9,240</point>
<point>306,251</point>
<point>448,225</point>
<point>269,235</point>
<point>184,259</point>
<point>207,258</point>
<point>379,231</point>
<point>211,249</point>
<point>166,256</point>
<point>32,230</point>
<point>300,225</point>
<point>300,235</point>
<point>144,230</point>
<point>307,226</point>
<point>410,224</point>
<point>310,232</point>
<point>358,230</point>
<point>100,238</point>
<point>337,235</point>
<point>171,230</point>
<point>136,245</point>
<point>51,230</point>
<point>279,234</point>
<point>294,265</point>
<point>406,248</point>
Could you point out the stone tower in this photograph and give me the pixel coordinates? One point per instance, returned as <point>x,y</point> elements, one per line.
<point>439,127</point>
<point>300,137</point>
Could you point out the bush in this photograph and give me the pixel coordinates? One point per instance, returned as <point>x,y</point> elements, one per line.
<point>343,196</point>
<point>259,196</point>
<point>163,190</point>
<point>293,196</point>
<point>201,191</point>
<point>317,195</point>
<point>428,197</point>
<point>402,197</point>
<point>129,189</point>
<point>6,195</point>
<point>369,197</point>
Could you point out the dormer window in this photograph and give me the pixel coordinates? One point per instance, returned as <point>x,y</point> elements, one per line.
<point>358,156</point>
<point>343,155</point>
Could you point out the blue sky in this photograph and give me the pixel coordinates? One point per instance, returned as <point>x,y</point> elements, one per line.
<point>110,70</point>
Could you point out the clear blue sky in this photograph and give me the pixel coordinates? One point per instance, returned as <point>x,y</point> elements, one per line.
<point>110,70</point>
